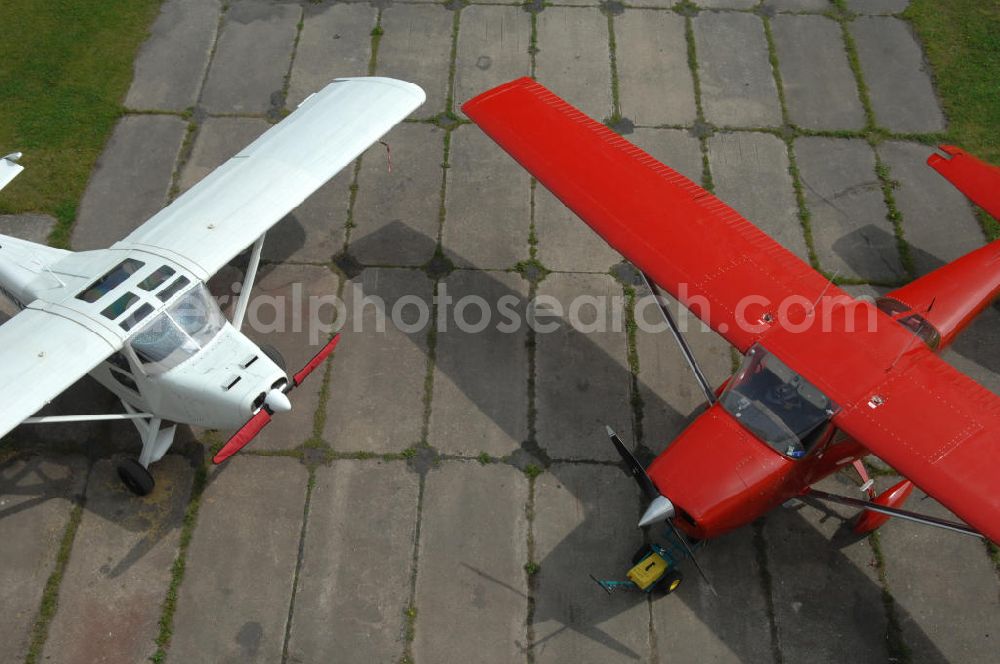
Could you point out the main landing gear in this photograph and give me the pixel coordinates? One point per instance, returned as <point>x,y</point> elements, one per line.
<point>136,479</point>
<point>156,440</point>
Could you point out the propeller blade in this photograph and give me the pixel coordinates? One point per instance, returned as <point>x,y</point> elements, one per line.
<point>638,472</point>
<point>242,437</point>
<point>313,363</point>
<point>679,536</point>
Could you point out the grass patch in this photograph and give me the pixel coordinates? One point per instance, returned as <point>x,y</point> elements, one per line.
<point>962,41</point>
<point>63,91</point>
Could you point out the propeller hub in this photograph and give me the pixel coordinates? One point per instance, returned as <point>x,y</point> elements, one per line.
<point>660,509</point>
<point>277,401</point>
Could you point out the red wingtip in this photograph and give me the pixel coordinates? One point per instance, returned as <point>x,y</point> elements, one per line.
<point>316,361</point>
<point>242,437</point>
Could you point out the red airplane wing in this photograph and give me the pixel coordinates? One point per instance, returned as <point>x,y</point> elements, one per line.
<point>940,429</point>
<point>688,241</point>
<point>979,181</point>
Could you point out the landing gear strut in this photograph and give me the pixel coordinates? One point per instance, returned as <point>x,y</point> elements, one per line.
<point>156,440</point>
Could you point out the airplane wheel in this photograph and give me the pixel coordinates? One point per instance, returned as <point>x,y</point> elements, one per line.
<point>671,581</point>
<point>274,356</point>
<point>135,478</point>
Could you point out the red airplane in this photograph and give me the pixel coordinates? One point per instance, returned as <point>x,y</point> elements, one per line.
<point>826,379</point>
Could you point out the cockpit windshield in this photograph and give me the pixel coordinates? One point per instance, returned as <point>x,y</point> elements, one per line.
<point>178,332</point>
<point>776,404</point>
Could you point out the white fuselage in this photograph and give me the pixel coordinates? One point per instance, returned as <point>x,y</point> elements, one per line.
<point>180,360</point>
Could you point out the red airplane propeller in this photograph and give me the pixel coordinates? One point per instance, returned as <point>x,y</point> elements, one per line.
<point>278,402</point>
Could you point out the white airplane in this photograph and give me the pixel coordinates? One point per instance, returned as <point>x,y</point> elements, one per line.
<point>138,317</point>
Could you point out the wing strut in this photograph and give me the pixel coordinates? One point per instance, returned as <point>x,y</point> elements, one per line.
<point>893,511</point>
<point>681,341</point>
<point>248,279</point>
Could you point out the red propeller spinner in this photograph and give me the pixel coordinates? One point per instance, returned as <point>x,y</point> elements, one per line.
<point>278,403</point>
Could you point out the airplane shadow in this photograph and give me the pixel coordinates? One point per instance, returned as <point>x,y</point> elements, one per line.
<point>729,561</point>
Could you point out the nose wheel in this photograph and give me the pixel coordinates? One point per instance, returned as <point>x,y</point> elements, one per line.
<point>135,478</point>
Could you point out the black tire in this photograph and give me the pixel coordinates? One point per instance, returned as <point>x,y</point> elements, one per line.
<point>671,581</point>
<point>135,478</point>
<point>275,356</point>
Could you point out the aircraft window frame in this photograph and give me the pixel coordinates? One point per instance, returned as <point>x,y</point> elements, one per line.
<point>779,407</point>
<point>157,278</point>
<point>178,331</point>
<point>173,288</point>
<point>121,305</point>
<point>111,280</point>
<point>134,318</point>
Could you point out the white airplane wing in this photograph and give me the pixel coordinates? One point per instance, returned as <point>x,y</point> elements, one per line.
<point>44,354</point>
<point>222,215</point>
<point>9,168</point>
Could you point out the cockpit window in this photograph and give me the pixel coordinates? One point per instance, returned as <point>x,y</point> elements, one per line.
<point>109,281</point>
<point>153,281</point>
<point>178,332</point>
<point>120,306</point>
<point>171,290</point>
<point>777,405</point>
<point>914,322</point>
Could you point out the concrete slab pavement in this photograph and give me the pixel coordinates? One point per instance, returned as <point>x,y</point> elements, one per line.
<point>335,42</point>
<point>737,86</point>
<point>356,564</point>
<point>240,572</point>
<point>819,86</point>
<point>695,625</point>
<point>572,58</point>
<point>584,524</point>
<point>416,46</point>
<point>376,401</point>
<point>899,83</point>
<point>581,375</point>
<point>937,219</point>
<point>750,171</point>
<point>132,179</point>
<point>933,579</point>
<point>37,498</point>
<point>408,198</point>
<point>848,217</point>
<point>493,236</point>
<point>481,376</point>
<point>828,601</point>
<point>252,57</point>
<point>471,587</point>
<point>654,80</point>
<point>492,48</point>
<point>171,65</point>
<point>123,554</point>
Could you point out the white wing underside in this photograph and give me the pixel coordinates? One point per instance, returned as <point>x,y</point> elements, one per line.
<point>226,212</point>
<point>44,354</point>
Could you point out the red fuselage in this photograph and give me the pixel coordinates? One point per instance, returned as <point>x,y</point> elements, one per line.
<point>720,476</point>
